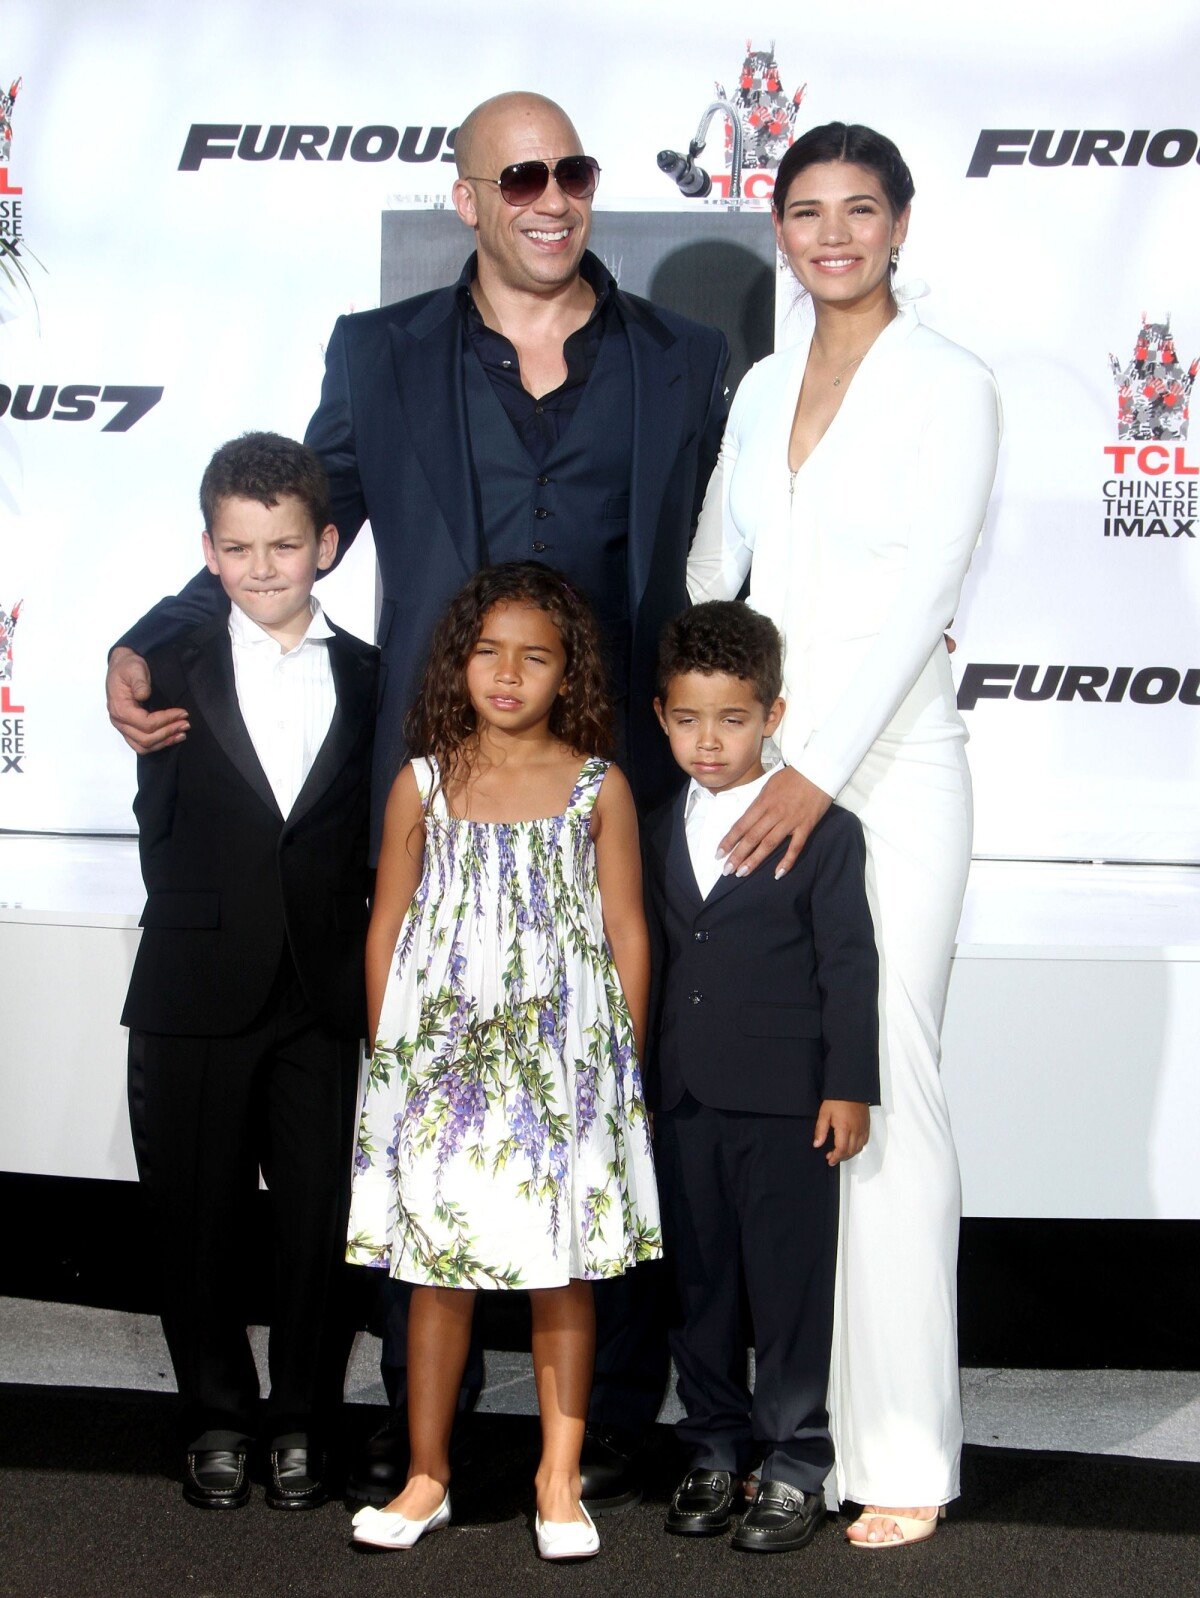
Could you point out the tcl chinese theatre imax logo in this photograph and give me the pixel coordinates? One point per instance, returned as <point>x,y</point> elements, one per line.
<point>1151,490</point>
<point>12,714</point>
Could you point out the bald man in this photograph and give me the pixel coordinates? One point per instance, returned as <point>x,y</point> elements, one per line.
<point>532,410</point>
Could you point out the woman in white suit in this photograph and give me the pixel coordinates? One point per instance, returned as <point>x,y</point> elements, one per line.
<point>852,487</point>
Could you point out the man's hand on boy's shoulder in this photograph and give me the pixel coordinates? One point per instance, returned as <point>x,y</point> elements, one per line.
<point>127,687</point>
<point>850,1124</point>
<point>788,803</point>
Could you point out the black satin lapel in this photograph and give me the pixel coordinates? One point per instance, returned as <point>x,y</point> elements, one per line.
<point>679,859</point>
<point>210,677</point>
<point>353,678</point>
<point>659,397</point>
<point>433,403</point>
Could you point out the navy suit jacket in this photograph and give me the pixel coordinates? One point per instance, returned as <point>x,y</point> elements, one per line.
<point>765,994</point>
<point>391,428</point>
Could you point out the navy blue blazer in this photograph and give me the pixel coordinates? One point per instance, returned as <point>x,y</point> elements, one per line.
<point>391,428</point>
<point>765,994</point>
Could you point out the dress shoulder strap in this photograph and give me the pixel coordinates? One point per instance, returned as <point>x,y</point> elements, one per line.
<point>426,774</point>
<point>587,786</point>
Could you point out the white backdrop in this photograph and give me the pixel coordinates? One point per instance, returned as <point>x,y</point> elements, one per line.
<point>218,285</point>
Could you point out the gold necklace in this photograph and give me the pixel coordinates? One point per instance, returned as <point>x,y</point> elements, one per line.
<point>837,382</point>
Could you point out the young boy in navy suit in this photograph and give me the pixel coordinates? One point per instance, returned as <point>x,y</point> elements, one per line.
<point>763,1060</point>
<point>247,1003</point>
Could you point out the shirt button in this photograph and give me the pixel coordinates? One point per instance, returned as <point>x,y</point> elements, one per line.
<point>538,546</point>
<point>695,997</point>
<point>541,513</point>
<point>537,410</point>
<point>506,364</point>
<point>700,937</point>
<point>542,479</point>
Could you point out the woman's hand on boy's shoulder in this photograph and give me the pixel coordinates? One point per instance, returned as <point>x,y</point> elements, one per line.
<point>849,1122</point>
<point>788,804</point>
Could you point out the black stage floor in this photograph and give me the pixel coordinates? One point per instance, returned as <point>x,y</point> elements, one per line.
<point>89,1506</point>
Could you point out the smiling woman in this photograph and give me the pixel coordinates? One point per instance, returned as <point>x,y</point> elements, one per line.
<point>862,587</point>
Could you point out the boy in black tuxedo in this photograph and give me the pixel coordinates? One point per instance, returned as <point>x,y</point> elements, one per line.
<point>246,1004</point>
<point>764,1051</point>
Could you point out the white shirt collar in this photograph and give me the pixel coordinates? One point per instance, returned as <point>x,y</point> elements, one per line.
<point>249,634</point>
<point>739,799</point>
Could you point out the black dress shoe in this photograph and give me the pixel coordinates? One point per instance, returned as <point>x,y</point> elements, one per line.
<point>381,1470</point>
<point>215,1478</point>
<point>295,1478</point>
<point>703,1503</point>
<point>608,1468</point>
<point>780,1518</point>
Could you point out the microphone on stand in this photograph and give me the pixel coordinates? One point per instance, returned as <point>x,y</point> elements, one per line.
<point>691,179</point>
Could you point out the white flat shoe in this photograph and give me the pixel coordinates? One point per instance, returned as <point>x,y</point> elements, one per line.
<point>567,1539</point>
<point>382,1528</point>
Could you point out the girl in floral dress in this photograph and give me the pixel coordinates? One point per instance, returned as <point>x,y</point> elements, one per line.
<point>503,1141</point>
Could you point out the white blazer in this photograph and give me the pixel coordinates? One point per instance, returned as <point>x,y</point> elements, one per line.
<point>861,564</point>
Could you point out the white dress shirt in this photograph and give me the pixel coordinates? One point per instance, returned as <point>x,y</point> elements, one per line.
<point>287,699</point>
<point>707,817</point>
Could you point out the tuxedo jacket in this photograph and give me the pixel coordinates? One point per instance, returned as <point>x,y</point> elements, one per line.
<point>391,428</point>
<point>228,880</point>
<point>765,994</point>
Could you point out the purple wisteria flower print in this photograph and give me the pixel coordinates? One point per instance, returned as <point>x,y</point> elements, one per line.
<point>503,1140</point>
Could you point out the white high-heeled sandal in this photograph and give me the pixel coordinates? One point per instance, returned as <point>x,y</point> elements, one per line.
<point>912,1528</point>
<point>384,1528</point>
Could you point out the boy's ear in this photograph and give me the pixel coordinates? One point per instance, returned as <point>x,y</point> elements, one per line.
<point>327,543</point>
<point>774,717</point>
<point>660,713</point>
<point>210,554</point>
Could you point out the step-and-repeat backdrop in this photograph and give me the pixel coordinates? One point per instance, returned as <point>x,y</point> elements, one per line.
<point>190,195</point>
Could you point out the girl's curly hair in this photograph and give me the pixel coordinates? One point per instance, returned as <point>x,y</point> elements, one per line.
<point>441,724</point>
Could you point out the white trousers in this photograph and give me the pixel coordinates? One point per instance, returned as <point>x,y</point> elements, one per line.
<point>894,1400</point>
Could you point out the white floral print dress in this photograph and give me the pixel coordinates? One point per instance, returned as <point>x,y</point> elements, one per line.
<point>503,1141</point>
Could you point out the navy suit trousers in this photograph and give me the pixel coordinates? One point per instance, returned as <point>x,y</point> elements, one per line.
<point>747,1199</point>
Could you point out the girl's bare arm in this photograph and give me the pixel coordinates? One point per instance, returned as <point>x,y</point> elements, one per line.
<point>619,871</point>
<point>396,881</point>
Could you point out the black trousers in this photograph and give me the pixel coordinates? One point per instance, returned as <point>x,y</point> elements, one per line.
<point>207,1113</point>
<point>746,1198</point>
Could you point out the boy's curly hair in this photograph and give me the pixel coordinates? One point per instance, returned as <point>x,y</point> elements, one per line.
<point>441,724</point>
<point>723,635</point>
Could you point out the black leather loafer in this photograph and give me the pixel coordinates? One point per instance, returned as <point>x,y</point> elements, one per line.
<point>381,1470</point>
<point>215,1478</point>
<point>703,1503</point>
<point>295,1478</point>
<point>608,1468</point>
<point>780,1518</point>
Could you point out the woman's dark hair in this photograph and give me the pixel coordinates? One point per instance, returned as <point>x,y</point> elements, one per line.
<point>841,141</point>
<point>442,723</point>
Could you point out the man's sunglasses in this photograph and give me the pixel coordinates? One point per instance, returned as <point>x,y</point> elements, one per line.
<point>524,181</point>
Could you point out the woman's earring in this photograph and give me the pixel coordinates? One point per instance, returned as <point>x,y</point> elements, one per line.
<point>895,256</point>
